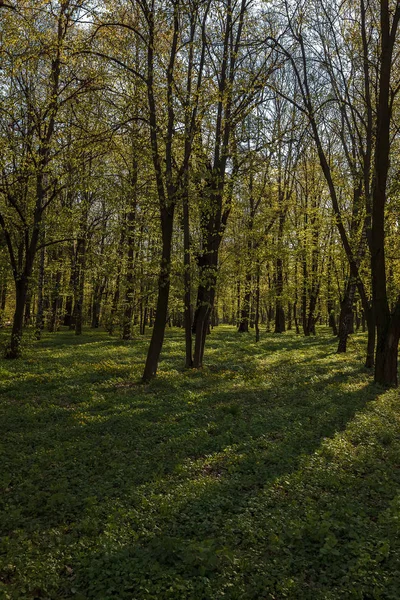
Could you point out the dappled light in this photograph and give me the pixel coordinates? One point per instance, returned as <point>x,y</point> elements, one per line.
<point>267,474</point>
<point>199,299</point>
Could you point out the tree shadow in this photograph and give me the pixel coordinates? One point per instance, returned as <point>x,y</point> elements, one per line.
<point>212,517</point>
<point>136,484</point>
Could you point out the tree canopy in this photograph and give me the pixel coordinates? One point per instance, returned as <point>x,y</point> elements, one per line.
<point>192,163</point>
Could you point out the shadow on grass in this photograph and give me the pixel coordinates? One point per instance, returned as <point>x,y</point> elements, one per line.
<point>201,505</point>
<point>114,490</point>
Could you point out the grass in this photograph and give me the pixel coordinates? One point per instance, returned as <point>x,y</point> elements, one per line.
<point>273,473</point>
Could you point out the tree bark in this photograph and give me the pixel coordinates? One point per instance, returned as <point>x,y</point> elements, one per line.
<point>13,350</point>
<point>160,321</point>
<point>387,322</point>
<point>346,316</point>
<point>40,300</point>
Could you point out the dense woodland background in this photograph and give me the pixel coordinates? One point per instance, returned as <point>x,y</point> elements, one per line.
<point>214,184</point>
<point>190,163</point>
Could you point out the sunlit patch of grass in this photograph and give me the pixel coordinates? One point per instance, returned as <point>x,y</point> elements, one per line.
<point>274,472</point>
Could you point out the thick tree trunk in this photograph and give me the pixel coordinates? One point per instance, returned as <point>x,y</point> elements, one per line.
<point>387,323</point>
<point>160,322</point>
<point>206,296</point>
<point>386,357</point>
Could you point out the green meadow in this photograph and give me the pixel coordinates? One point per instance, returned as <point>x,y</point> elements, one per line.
<point>272,473</point>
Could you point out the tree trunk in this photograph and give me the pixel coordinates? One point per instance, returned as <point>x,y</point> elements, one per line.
<point>157,338</point>
<point>206,296</point>
<point>28,309</point>
<point>3,299</point>
<point>257,315</point>
<point>40,300</point>
<point>245,310</point>
<point>130,263</point>
<point>13,350</point>
<point>369,316</point>
<point>386,357</point>
<point>279,310</point>
<point>289,313</point>
<point>346,316</point>
<point>332,319</point>
<point>96,304</point>
<point>187,301</point>
<point>387,323</point>
<point>78,306</point>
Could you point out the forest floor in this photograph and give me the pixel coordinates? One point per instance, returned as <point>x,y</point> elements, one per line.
<point>273,473</point>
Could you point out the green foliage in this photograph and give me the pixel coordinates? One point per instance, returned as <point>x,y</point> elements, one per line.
<point>273,473</point>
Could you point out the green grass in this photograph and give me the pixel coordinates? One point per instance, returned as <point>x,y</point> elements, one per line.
<point>273,473</point>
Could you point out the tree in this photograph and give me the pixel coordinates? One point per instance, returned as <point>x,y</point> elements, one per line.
<point>37,83</point>
<point>387,321</point>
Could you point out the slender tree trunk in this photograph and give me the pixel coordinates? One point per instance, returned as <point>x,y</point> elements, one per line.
<point>40,300</point>
<point>257,294</point>
<point>3,299</point>
<point>332,319</point>
<point>130,280</point>
<point>56,302</point>
<point>289,316</point>
<point>130,263</point>
<point>330,302</point>
<point>306,330</point>
<point>187,301</point>
<point>96,304</point>
<point>244,319</point>
<point>369,316</point>
<point>279,310</point>
<point>13,350</point>
<point>28,309</point>
<point>245,310</point>
<point>346,316</point>
<point>78,306</point>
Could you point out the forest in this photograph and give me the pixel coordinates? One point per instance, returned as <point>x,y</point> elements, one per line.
<point>199,299</point>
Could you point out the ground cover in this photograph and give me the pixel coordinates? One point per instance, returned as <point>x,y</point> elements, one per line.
<point>273,473</point>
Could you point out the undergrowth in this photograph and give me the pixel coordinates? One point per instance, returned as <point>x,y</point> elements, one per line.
<point>273,473</point>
